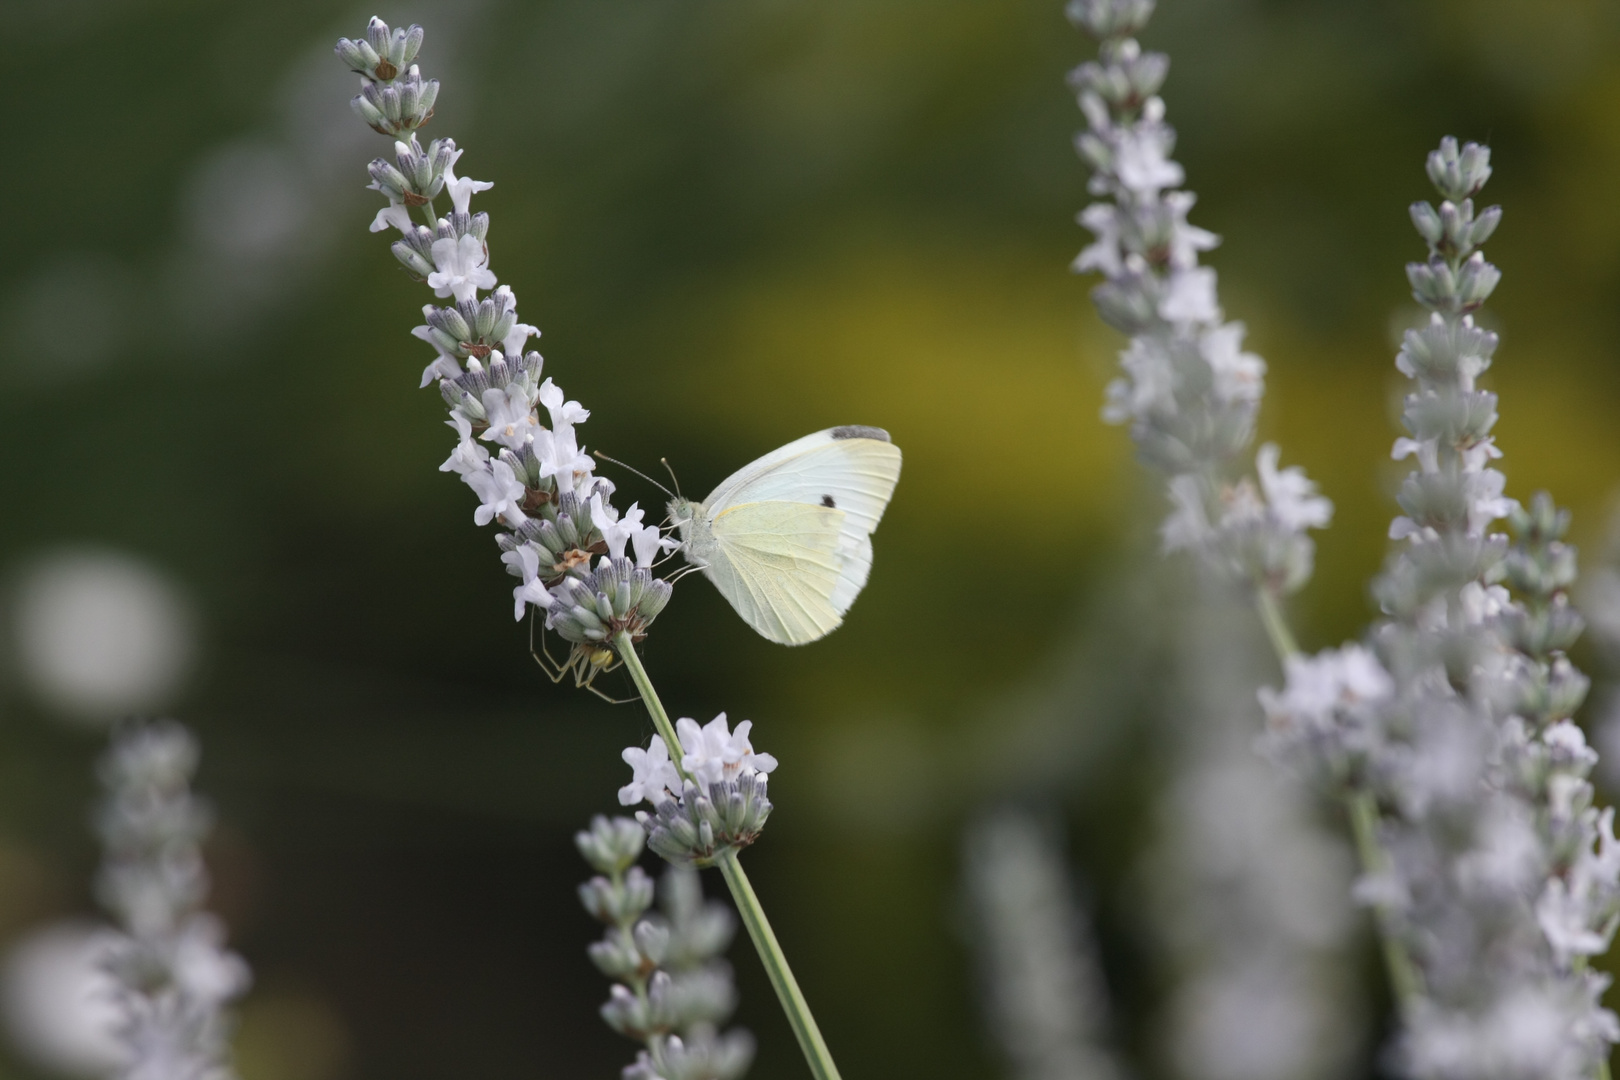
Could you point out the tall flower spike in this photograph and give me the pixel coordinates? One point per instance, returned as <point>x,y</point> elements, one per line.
<point>672,989</point>
<point>174,974</point>
<point>1040,978</point>
<point>1189,392</point>
<point>583,568</point>
<point>589,569</point>
<point>1503,878</point>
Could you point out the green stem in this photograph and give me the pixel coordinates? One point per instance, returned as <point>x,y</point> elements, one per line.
<point>1271,616</point>
<point>1403,975</point>
<point>649,697</point>
<point>1404,980</point>
<point>430,212</point>
<point>749,908</point>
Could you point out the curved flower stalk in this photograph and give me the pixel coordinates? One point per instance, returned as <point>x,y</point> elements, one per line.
<point>577,559</point>
<point>174,974</point>
<point>588,567</point>
<point>1189,393</point>
<point>672,990</point>
<point>1453,725</point>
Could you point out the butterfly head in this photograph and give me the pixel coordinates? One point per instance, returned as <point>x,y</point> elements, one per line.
<point>681,510</point>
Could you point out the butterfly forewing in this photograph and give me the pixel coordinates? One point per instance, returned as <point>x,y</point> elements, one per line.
<point>857,474</point>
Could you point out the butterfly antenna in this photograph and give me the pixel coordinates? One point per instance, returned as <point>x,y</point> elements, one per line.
<point>638,472</point>
<point>664,461</point>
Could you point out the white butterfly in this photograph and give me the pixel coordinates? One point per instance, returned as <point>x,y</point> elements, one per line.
<point>788,539</point>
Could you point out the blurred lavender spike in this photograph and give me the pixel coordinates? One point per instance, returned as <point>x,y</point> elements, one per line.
<point>1042,988</point>
<point>672,988</point>
<point>174,974</point>
<point>1249,892</point>
<point>1455,730</point>
<point>1189,393</point>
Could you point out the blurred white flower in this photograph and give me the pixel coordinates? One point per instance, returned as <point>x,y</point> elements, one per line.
<point>100,634</point>
<point>60,1003</point>
<point>248,200</point>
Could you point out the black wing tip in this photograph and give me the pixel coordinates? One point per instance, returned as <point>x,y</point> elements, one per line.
<point>860,431</point>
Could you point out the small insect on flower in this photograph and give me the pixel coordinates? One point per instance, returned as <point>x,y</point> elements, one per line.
<point>788,539</point>
<point>585,661</point>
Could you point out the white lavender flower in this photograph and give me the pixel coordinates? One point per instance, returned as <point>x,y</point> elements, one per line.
<point>1502,879</point>
<point>174,974</point>
<point>672,989</point>
<point>715,802</point>
<point>1189,392</point>
<point>532,476</point>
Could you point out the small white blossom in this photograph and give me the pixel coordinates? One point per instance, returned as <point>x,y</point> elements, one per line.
<point>713,753</point>
<point>1142,160</point>
<point>500,494</point>
<point>462,267</point>
<point>511,416</point>
<point>1563,917</point>
<point>654,776</point>
<point>561,456</point>
<point>203,968</point>
<point>1186,241</point>
<point>563,413</point>
<point>1187,528</point>
<point>443,367</point>
<point>1103,254</point>
<point>616,530</point>
<point>462,189</point>
<point>649,542</point>
<point>1315,686</point>
<point>1189,297</point>
<point>1291,497</point>
<point>468,456</point>
<point>1149,385</point>
<point>1238,375</point>
<point>395,215</point>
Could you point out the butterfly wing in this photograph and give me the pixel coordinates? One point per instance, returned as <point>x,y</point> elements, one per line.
<point>778,563</point>
<point>852,469</point>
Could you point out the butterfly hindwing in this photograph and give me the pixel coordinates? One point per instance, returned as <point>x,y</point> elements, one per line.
<point>779,567</point>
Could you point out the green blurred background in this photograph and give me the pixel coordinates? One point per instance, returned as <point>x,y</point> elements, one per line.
<point>736,221</point>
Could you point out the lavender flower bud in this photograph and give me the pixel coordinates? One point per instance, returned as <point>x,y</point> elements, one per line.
<point>610,845</point>
<point>1459,174</point>
<point>618,901</point>
<point>1106,19</point>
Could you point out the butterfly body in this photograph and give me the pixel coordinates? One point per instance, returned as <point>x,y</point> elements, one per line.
<point>787,539</point>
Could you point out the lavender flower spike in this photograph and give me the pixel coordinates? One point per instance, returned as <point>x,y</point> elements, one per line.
<point>1189,393</point>
<point>560,535</point>
<point>1503,878</point>
<point>175,975</point>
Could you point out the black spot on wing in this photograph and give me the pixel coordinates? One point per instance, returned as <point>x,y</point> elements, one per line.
<point>827,500</point>
<point>860,431</point>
